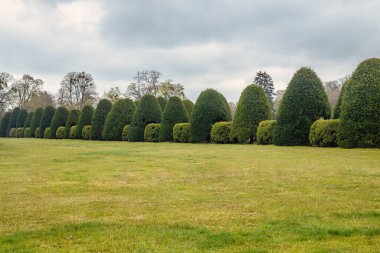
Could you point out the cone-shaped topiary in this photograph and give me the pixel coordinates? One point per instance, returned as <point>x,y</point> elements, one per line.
<point>189,106</point>
<point>148,111</point>
<point>72,120</point>
<point>175,112</point>
<point>13,120</point>
<point>252,108</point>
<point>28,120</point>
<point>338,105</point>
<point>120,115</point>
<point>4,124</point>
<point>21,118</point>
<point>46,119</point>
<point>85,118</point>
<point>227,106</point>
<point>360,111</point>
<point>99,119</point>
<point>162,101</point>
<point>209,109</point>
<point>36,121</point>
<point>59,119</point>
<point>304,101</point>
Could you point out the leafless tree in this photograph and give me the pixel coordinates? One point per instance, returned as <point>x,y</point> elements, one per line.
<point>7,94</point>
<point>169,89</point>
<point>41,99</point>
<point>114,94</point>
<point>146,82</point>
<point>25,88</point>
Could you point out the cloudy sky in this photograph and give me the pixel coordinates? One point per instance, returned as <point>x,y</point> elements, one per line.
<point>219,44</point>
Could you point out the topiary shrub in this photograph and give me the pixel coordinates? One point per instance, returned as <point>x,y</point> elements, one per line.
<point>148,111</point>
<point>86,132</point>
<point>37,132</point>
<point>20,132</point>
<point>72,120</point>
<point>304,101</point>
<point>59,119</point>
<point>4,124</point>
<point>85,118</point>
<point>360,111</point>
<point>265,132</point>
<point>120,115</point>
<point>162,101</point>
<point>324,133</point>
<point>36,121</point>
<point>28,120</point>
<point>220,132</point>
<point>21,118</point>
<point>47,133</point>
<point>252,108</point>
<point>175,112</point>
<point>209,109</point>
<point>152,132</point>
<point>181,132</point>
<point>189,105</point>
<point>73,132</point>
<point>227,106</point>
<point>60,134</point>
<point>338,105</point>
<point>99,119</point>
<point>12,132</point>
<point>13,120</point>
<point>27,132</point>
<point>46,119</point>
<point>124,136</point>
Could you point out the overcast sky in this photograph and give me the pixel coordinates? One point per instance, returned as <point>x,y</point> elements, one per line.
<point>202,44</point>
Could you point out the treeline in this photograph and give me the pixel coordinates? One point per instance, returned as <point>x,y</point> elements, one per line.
<point>304,116</point>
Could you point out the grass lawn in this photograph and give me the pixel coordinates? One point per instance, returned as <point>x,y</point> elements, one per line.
<point>91,196</point>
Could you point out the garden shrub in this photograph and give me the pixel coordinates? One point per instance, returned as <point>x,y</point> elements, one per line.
<point>27,132</point>
<point>220,132</point>
<point>338,105</point>
<point>324,133</point>
<point>46,119</point>
<point>98,120</point>
<point>252,108</point>
<point>152,132</point>
<point>36,121</point>
<point>12,132</point>
<point>59,119</point>
<point>181,132</point>
<point>60,134</point>
<point>47,133</point>
<point>86,132</point>
<point>28,120</point>
<point>227,106</point>
<point>73,132</point>
<point>20,132</point>
<point>37,132</point>
<point>72,120</point>
<point>304,101</point>
<point>265,132</point>
<point>124,136</point>
<point>4,124</point>
<point>120,115</point>
<point>162,101</point>
<point>21,118</point>
<point>13,120</point>
<point>85,118</point>
<point>189,105</point>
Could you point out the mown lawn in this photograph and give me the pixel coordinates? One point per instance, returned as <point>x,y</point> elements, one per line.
<point>86,196</point>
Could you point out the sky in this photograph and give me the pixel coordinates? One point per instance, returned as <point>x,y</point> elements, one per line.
<point>202,44</point>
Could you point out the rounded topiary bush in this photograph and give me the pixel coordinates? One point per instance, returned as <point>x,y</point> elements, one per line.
<point>152,132</point>
<point>36,121</point>
<point>304,101</point>
<point>72,120</point>
<point>124,136</point>
<point>4,124</point>
<point>60,134</point>
<point>20,132</point>
<point>28,120</point>
<point>59,119</point>
<point>220,132</point>
<point>46,119</point>
<point>86,132</point>
<point>37,133</point>
<point>85,118</point>
<point>21,118</point>
<point>181,132</point>
<point>324,133</point>
<point>120,115</point>
<point>175,112</point>
<point>73,132</point>
<point>47,133</point>
<point>209,109</point>
<point>13,132</point>
<point>265,132</point>
<point>162,101</point>
<point>148,111</point>
<point>252,108</point>
<point>13,120</point>
<point>189,105</point>
<point>99,119</point>
<point>27,132</point>
<point>360,111</point>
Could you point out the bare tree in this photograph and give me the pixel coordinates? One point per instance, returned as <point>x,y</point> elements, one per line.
<point>114,94</point>
<point>169,89</point>
<point>147,82</point>
<point>41,99</point>
<point>7,94</point>
<point>333,89</point>
<point>26,88</point>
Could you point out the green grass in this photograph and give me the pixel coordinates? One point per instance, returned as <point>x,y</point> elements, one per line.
<point>88,196</point>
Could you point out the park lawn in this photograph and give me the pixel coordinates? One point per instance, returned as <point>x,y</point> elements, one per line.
<point>93,196</point>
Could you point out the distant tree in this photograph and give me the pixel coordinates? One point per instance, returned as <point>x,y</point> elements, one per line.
<point>264,80</point>
<point>277,100</point>
<point>41,99</point>
<point>169,89</point>
<point>114,94</point>
<point>146,82</point>
<point>26,88</point>
<point>333,89</point>
<point>232,106</point>
<point>7,94</point>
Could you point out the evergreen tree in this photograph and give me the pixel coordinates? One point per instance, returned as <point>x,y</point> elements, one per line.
<point>72,120</point>
<point>85,118</point>
<point>28,120</point>
<point>13,120</point>
<point>21,118</point>
<point>99,119</point>
<point>59,119</point>
<point>265,81</point>
<point>4,124</point>
<point>36,121</point>
<point>46,119</point>
<point>162,101</point>
<point>189,106</point>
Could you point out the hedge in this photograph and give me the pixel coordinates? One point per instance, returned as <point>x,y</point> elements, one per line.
<point>13,120</point>
<point>59,119</point>
<point>85,118</point>
<point>60,134</point>
<point>189,105</point>
<point>124,136</point>
<point>12,132</point>
<point>152,132</point>
<point>46,118</point>
<point>20,132</point>
<point>102,109</point>
<point>37,132</point>
<point>28,120</point>
<point>265,132</point>
<point>73,132</point>
<point>181,132</point>
<point>36,121</point>
<point>324,133</point>
<point>47,133</point>
<point>4,124</point>
<point>21,118</point>
<point>27,132</point>
<point>72,120</point>
<point>86,132</point>
<point>220,132</point>
<point>162,101</point>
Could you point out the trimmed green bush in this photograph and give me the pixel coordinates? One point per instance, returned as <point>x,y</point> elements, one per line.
<point>152,132</point>
<point>124,136</point>
<point>13,132</point>
<point>73,132</point>
<point>181,132</point>
<point>220,132</point>
<point>46,119</point>
<point>136,102</point>
<point>28,120</point>
<point>265,132</point>
<point>120,115</point>
<point>59,119</point>
<point>4,124</point>
<point>324,133</point>
<point>252,108</point>
<point>227,106</point>
<point>86,132</point>
<point>102,109</point>
<point>21,118</point>
<point>148,111</point>
<point>162,101</point>
<point>338,105</point>
<point>13,120</point>
<point>27,132</point>
<point>304,101</point>
<point>36,121</point>
<point>175,112</point>
<point>47,133</point>
<point>37,133</point>
<point>209,109</point>
<point>20,132</point>
<point>72,120</point>
<point>189,105</point>
<point>85,118</point>
<point>60,134</point>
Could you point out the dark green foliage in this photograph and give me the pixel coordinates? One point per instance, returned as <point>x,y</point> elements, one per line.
<point>209,109</point>
<point>4,124</point>
<point>304,101</point>
<point>28,120</point>
<point>47,133</point>
<point>152,132</point>
<point>72,120</point>
<point>338,105</point>
<point>175,112</point>
<point>27,132</point>
<point>227,107</point>
<point>20,132</point>
<point>59,119</point>
<point>46,119</point>
<point>360,111</point>
<point>136,102</point>
<point>73,132</point>
<point>181,132</point>
<point>324,133</point>
<point>21,118</point>
<point>265,132</point>
<point>36,121</point>
<point>124,136</point>
<point>148,111</point>
<point>12,132</point>
<point>99,119</point>
<point>85,118</point>
<point>120,115</point>
<point>162,101</point>
<point>60,134</point>
<point>13,120</point>
<point>220,132</point>
<point>252,108</point>
<point>37,133</point>
<point>189,106</point>
<point>86,132</point>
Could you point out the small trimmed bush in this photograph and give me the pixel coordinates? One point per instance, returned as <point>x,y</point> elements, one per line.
<point>220,132</point>
<point>162,101</point>
<point>181,132</point>
<point>59,119</point>
<point>47,133</point>
<point>265,131</point>
<point>4,124</point>
<point>46,119</point>
<point>124,136</point>
<point>152,132</point>
<point>27,132</point>
<point>13,120</point>
<point>72,120</point>
<point>20,132</point>
<point>189,105</point>
<point>60,132</point>
<point>99,119</point>
<point>86,132</point>
<point>36,121</point>
<point>12,132</point>
<point>324,133</point>
<point>37,133</point>
<point>85,118</point>
<point>73,132</point>
<point>21,118</point>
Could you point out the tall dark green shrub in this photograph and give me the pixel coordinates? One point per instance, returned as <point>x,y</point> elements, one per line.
<point>360,112</point>
<point>72,120</point>
<point>28,120</point>
<point>227,106</point>
<point>59,119</point>
<point>21,118</point>
<point>252,108</point>
<point>4,124</point>
<point>13,120</point>
<point>46,119</point>
<point>120,115</point>
<point>338,105</point>
<point>304,101</point>
<point>148,111</point>
<point>175,112</point>
<point>162,101</point>
<point>99,119</point>
<point>209,109</point>
<point>189,105</point>
<point>36,121</point>
<point>85,118</point>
